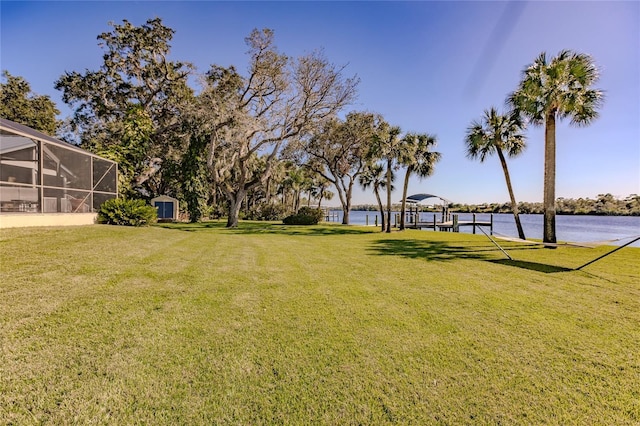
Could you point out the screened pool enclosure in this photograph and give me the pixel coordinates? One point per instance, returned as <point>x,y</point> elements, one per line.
<point>40,174</point>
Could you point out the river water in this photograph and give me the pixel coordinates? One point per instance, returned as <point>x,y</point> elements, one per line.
<point>574,228</point>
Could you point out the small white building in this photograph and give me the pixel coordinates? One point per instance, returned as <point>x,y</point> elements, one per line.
<point>167,208</point>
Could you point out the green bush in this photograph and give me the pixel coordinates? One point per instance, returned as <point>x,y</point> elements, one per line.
<point>305,216</point>
<point>317,214</point>
<point>266,211</point>
<point>120,211</point>
<point>217,211</point>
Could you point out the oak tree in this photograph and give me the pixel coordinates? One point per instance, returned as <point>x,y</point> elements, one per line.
<point>18,103</point>
<point>131,107</point>
<point>279,100</point>
<point>340,152</point>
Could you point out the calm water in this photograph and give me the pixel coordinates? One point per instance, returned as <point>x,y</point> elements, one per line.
<point>568,228</point>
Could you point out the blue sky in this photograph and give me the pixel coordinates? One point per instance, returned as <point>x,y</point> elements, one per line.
<point>425,66</point>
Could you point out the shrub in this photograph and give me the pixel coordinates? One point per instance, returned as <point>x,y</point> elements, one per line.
<point>305,216</point>
<point>266,211</point>
<point>120,211</point>
<point>317,214</point>
<point>217,211</point>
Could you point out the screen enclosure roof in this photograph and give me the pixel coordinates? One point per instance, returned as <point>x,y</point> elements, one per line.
<point>28,132</point>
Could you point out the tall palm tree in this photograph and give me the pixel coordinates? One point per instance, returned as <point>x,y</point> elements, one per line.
<point>374,176</point>
<point>550,91</point>
<point>388,146</point>
<point>419,159</point>
<point>497,134</point>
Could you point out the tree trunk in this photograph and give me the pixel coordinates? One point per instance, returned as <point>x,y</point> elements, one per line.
<point>267,191</point>
<point>404,197</point>
<point>380,206</point>
<point>235,202</point>
<point>345,214</point>
<point>389,195</point>
<point>514,205</point>
<point>549,201</point>
<point>344,202</point>
<point>346,207</point>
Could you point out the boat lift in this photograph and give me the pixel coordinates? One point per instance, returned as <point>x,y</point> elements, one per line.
<point>447,222</point>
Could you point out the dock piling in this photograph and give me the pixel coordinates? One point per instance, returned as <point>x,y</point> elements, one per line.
<point>491,228</point>
<point>474,223</point>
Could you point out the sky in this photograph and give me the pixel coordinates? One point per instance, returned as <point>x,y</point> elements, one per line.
<point>426,66</point>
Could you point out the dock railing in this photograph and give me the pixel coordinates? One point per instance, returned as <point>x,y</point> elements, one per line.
<point>453,224</point>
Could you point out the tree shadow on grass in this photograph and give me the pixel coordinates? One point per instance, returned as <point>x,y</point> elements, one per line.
<point>431,250</point>
<point>532,266</point>
<point>303,230</point>
<point>446,251</point>
<point>256,228</point>
<point>191,227</point>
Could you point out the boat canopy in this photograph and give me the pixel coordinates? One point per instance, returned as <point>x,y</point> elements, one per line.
<point>416,198</point>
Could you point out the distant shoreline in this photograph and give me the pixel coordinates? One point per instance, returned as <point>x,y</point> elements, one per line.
<point>577,228</point>
<point>451,210</point>
<point>603,205</point>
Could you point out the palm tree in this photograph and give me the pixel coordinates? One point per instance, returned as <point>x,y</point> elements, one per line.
<point>277,175</point>
<point>325,194</point>
<point>388,146</point>
<point>419,159</point>
<point>552,90</point>
<point>319,188</point>
<point>374,176</point>
<point>296,180</point>
<point>498,134</point>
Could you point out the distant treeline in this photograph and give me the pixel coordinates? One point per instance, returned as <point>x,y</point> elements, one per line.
<point>604,205</point>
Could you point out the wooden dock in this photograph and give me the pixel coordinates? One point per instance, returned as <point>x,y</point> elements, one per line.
<point>451,225</point>
<point>448,222</point>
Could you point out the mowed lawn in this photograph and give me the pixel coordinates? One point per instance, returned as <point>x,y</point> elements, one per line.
<point>267,324</point>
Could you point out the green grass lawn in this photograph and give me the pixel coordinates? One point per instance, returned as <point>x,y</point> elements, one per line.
<point>266,324</point>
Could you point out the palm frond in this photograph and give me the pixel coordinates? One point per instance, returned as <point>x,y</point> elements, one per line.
<point>495,131</point>
<point>561,86</point>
